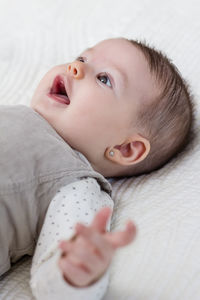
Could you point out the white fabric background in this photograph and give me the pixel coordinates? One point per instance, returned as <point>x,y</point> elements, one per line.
<point>164,261</point>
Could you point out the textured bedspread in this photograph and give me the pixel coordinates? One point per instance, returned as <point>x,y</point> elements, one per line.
<point>164,261</point>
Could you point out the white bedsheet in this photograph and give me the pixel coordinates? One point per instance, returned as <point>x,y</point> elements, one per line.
<point>164,261</point>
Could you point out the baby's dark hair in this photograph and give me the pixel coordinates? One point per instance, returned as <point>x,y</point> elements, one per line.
<point>168,121</point>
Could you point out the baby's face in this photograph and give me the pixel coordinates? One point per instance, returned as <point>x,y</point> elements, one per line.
<point>106,86</point>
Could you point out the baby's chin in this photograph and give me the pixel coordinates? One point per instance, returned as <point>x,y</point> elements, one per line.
<point>37,105</point>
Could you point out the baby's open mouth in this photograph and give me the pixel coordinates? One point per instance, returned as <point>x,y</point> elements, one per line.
<point>58,91</point>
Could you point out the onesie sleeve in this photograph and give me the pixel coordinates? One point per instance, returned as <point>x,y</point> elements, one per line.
<point>76,202</point>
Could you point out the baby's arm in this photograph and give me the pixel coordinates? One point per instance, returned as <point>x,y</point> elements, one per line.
<point>77,202</point>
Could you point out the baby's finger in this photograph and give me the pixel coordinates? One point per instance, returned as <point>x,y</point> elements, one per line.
<point>75,275</point>
<point>103,248</point>
<point>122,238</point>
<point>65,246</point>
<point>101,218</point>
<point>85,257</point>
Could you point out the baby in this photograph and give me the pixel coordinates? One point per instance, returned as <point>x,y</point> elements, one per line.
<point>119,109</point>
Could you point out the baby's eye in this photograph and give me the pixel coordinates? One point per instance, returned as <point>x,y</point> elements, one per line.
<point>104,79</point>
<point>80,58</point>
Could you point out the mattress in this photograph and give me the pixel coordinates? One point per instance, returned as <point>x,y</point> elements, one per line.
<point>163,262</point>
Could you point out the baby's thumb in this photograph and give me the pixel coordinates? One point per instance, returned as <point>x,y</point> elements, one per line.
<point>122,238</point>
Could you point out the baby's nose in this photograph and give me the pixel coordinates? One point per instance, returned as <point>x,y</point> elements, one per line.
<point>76,69</point>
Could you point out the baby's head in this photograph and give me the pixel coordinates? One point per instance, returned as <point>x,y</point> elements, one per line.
<point>128,110</point>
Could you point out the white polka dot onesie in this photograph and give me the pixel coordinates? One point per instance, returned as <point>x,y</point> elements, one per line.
<point>76,202</point>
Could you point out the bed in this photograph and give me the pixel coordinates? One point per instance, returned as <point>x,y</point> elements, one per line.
<point>163,262</point>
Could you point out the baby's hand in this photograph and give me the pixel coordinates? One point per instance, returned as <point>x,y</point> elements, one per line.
<point>87,255</point>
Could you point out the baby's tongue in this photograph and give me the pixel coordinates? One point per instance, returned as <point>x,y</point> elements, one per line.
<point>62,98</point>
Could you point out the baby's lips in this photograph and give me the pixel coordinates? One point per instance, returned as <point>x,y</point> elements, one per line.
<point>60,88</point>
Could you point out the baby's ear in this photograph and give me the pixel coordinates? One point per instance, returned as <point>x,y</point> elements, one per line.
<point>131,152</point>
